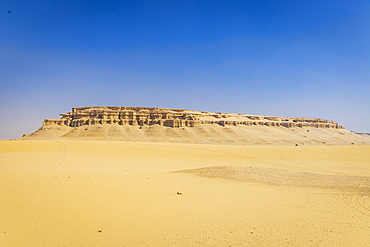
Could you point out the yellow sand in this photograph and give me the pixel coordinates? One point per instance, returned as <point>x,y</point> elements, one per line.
<point>106,193</point>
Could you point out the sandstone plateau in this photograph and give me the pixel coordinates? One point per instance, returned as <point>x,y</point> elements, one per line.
<point>186,126</point>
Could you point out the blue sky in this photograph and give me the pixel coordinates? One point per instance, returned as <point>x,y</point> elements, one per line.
<point>282,58</point>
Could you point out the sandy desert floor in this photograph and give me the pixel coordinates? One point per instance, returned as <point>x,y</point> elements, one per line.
<point>111,193</point>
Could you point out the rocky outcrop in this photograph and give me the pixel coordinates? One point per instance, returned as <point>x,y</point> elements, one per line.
<point>177,118</point>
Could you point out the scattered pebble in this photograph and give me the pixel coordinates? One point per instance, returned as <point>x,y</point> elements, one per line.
<point>179,193</point>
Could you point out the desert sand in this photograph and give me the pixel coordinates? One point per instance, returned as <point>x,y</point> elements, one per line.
<point>139,176</point>
<point>122,193</point>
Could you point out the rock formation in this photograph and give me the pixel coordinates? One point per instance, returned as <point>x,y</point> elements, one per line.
<point>147,116</point>
<point>152,124</point>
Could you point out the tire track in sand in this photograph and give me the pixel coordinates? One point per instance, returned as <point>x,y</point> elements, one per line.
<point>38,172</point>
<point>356,200</point>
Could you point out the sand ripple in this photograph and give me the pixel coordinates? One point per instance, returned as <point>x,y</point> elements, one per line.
<point>282,177</point>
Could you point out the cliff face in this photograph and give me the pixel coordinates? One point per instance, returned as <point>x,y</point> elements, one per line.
<point>147,116</point>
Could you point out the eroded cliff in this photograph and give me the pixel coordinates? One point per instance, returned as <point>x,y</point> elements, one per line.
<point>147,116</point>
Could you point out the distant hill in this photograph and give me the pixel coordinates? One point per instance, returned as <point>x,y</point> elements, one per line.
<point>185,126</point>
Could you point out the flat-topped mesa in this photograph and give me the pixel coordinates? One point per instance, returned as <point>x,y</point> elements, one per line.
<point>145,116</point>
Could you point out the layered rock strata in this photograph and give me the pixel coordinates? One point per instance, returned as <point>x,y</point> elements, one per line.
<point>146,116</point>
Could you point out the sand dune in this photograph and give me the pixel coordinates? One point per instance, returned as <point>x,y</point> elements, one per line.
<point>109,193</point>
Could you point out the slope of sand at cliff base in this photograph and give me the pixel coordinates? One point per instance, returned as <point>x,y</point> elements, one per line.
<point>106,193</point>
<point>204,133</point>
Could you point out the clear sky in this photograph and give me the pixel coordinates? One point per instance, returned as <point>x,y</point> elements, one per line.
<point>306,58</point>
